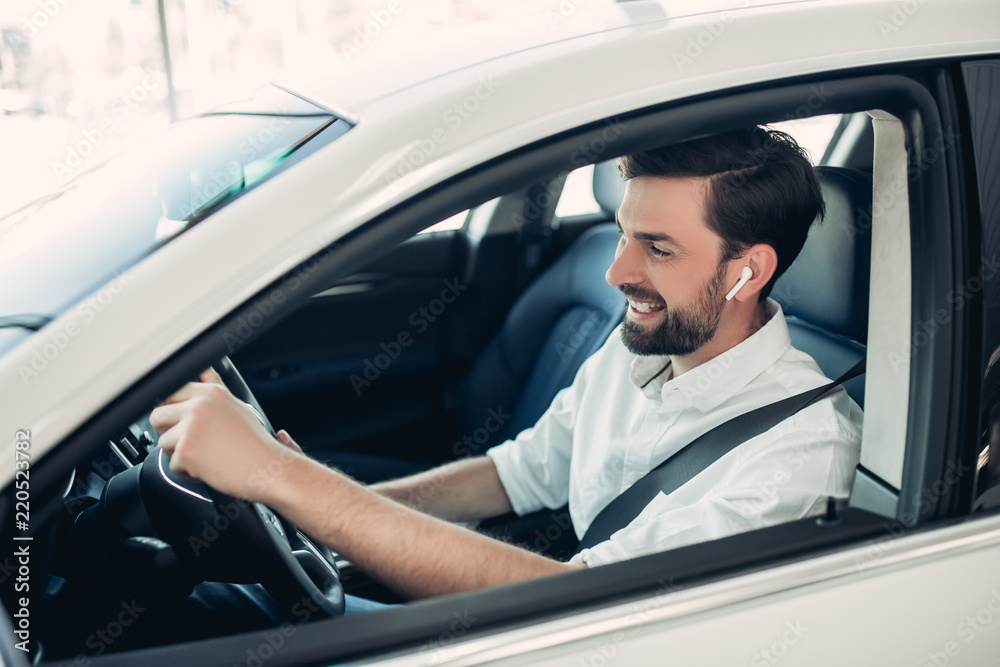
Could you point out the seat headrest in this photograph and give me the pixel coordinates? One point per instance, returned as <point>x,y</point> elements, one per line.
<point>827,284</point>
<point>609,188</point>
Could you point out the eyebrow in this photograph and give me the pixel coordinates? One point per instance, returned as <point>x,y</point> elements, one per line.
<point>652,237</point>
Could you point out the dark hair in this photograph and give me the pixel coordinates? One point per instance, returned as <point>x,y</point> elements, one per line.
<point>761,188</point>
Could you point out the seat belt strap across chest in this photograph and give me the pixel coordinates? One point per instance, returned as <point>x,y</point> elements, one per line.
<point>697,455</point>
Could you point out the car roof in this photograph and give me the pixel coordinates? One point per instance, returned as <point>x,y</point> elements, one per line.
<point>370,69</point>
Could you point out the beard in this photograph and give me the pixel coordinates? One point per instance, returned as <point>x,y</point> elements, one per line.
<point>682,330</point>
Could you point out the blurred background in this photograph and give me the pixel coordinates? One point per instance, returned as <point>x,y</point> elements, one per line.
<point>82,79</point>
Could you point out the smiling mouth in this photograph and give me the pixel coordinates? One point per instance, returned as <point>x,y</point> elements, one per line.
<point>645,306</point>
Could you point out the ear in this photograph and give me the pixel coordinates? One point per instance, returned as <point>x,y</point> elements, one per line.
<point>763,261</point>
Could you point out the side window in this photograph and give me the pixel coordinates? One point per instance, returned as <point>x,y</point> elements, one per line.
<point>577,197</point>
<point>814,134</point>
<point>456,221</point>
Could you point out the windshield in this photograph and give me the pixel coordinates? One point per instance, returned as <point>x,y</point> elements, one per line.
<point>64,246</point>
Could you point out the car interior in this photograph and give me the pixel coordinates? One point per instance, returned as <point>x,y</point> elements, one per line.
<point>564,313</point>
<point>453,340</point>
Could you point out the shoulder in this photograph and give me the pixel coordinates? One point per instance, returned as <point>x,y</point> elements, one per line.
<point>835,417</point>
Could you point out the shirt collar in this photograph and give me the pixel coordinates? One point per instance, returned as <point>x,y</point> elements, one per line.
<point>712,383</point>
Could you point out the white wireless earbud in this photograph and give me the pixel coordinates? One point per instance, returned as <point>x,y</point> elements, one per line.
<point>746,275</point>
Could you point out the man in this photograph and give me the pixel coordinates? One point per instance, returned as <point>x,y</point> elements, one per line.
<point>707,227</point>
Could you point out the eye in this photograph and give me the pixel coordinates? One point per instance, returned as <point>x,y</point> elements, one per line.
<point>656,252</point>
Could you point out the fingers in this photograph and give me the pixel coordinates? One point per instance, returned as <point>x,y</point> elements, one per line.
<point>287,441</point>
<point>210,376</point>
<point>182,394</point>
<point>164,416</point>
<point>168,442</point>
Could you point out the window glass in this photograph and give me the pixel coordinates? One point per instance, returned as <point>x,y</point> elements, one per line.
<point>67,244</point>
<point>577,196</point>
<point>813,134</point>
<point>456,221</point>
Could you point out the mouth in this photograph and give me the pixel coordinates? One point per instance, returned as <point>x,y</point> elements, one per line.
<point>643,310</point>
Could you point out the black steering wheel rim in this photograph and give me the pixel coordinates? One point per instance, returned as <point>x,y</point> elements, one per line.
<point>224,538</point>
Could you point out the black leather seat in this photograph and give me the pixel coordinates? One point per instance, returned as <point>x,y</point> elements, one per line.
<point>824,293</point>
<point>563,317</point>
<point>567,313</point>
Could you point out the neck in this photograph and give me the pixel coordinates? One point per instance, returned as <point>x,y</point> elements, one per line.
<point>747,320</point>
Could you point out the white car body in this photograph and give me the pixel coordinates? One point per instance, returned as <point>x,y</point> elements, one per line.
<point>569,68</point>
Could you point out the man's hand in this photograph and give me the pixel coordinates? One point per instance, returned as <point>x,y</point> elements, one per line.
<point>216,438</point>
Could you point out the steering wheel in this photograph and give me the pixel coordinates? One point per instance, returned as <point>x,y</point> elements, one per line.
<point>223,538</point>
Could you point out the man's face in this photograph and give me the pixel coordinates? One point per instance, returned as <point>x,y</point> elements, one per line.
<point>668,266</point>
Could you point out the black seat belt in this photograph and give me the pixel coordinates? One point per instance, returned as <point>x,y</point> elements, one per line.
<point>697,455</point>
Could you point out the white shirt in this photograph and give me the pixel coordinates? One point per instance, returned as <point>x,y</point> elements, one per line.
<point>614,424</point>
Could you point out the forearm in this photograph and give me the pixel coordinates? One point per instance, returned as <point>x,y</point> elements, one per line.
<point>463,490</point>
<point>417,554</point>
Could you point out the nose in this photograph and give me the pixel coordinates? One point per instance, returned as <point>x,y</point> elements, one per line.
<point>627,267</point>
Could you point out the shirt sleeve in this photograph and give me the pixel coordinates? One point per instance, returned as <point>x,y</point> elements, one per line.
<point>534,467</point>
<point>788,479</point>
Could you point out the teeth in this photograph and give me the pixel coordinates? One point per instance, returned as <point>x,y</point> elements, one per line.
<point>643,306</point>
